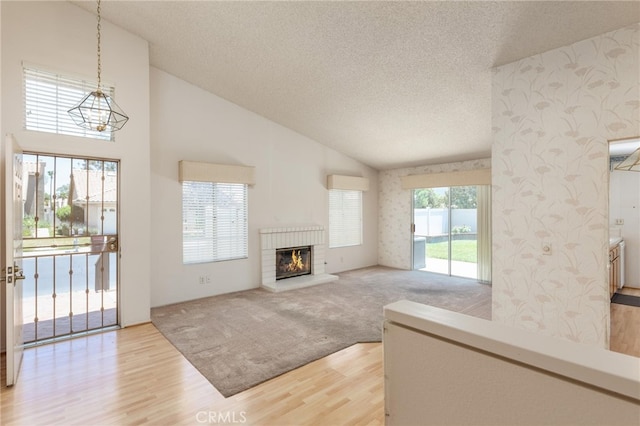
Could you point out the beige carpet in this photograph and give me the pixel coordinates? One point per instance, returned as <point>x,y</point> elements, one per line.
<point>241,339</point>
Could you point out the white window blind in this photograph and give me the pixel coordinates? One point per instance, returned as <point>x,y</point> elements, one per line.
<point>214,221</point>
<point>345,218</point>
<point>49,96</point>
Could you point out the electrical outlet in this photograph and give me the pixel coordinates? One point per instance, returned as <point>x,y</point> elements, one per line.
<point>201,279</point>
<point>619,221</point>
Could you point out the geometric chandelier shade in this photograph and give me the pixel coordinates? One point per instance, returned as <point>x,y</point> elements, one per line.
<point>631,163</point>
<point>97,111</point>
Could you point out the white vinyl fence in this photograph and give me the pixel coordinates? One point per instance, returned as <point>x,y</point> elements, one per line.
<point>431,222</point>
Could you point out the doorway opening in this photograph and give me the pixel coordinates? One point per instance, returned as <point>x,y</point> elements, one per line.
<point>70,245</point>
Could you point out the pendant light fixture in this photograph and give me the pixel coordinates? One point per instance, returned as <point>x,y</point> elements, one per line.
<point>631,163</point>
<point>98,111</point>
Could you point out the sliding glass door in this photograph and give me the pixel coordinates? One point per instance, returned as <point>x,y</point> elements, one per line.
<point>448,222</point>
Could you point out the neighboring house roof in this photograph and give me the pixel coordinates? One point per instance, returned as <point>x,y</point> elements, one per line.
<point>87,185</point>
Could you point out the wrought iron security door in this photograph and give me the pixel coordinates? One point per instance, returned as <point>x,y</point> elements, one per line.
<point>70,239</point>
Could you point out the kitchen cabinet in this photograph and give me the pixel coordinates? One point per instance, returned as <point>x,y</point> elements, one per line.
<point>614,269</point>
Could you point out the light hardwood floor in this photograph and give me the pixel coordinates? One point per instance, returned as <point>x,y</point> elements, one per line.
<point>625,326</point>
<point>135,376</point>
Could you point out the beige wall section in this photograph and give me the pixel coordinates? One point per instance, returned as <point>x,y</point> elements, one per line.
<point>61,36</point>
<point>455,369</point>
<point>552,117</point>
<point>290,173</point>
<point>395,212</point>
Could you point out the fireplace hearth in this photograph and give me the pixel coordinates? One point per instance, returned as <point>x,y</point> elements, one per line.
<point>293,262</point>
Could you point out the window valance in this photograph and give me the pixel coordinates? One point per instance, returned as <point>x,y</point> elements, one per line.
<point>352,183</point>
<point>218,173</point>
<point>439,180</point>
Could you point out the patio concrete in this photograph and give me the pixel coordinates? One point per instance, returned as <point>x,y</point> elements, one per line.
<point>458,269</point>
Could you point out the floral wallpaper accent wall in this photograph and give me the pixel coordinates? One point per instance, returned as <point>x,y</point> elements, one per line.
<point>395,210</point>
<point>553,115</point>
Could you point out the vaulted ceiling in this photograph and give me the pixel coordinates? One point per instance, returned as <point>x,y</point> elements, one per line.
<point>391,84</point>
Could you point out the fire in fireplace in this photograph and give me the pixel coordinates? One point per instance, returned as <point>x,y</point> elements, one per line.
<point>293,262</point>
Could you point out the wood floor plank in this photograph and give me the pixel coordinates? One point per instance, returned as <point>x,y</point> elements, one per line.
<point>135,376</point>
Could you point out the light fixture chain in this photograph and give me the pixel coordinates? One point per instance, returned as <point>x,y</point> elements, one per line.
<point>97,111</point>
<point>99,59</point>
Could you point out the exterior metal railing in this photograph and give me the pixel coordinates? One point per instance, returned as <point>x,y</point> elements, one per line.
<point>69,290</point>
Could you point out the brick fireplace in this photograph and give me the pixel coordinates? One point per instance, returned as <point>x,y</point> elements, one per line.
<point>272,239</point>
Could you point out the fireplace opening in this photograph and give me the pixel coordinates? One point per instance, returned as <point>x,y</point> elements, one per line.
<point>293,262</point>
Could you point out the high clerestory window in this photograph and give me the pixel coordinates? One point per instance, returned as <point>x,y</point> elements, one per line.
<point>48,96</point>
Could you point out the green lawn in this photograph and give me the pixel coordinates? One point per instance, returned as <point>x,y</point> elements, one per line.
<point>461,250</point>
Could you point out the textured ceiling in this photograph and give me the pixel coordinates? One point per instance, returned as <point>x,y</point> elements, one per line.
<point>392,84</point>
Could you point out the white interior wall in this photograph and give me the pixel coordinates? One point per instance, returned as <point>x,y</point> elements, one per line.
<point>290,189</point>
<point>61,37</point>
<point>624,203</point>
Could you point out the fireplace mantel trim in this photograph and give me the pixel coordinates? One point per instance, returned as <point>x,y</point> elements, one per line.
<point>276,238</point>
